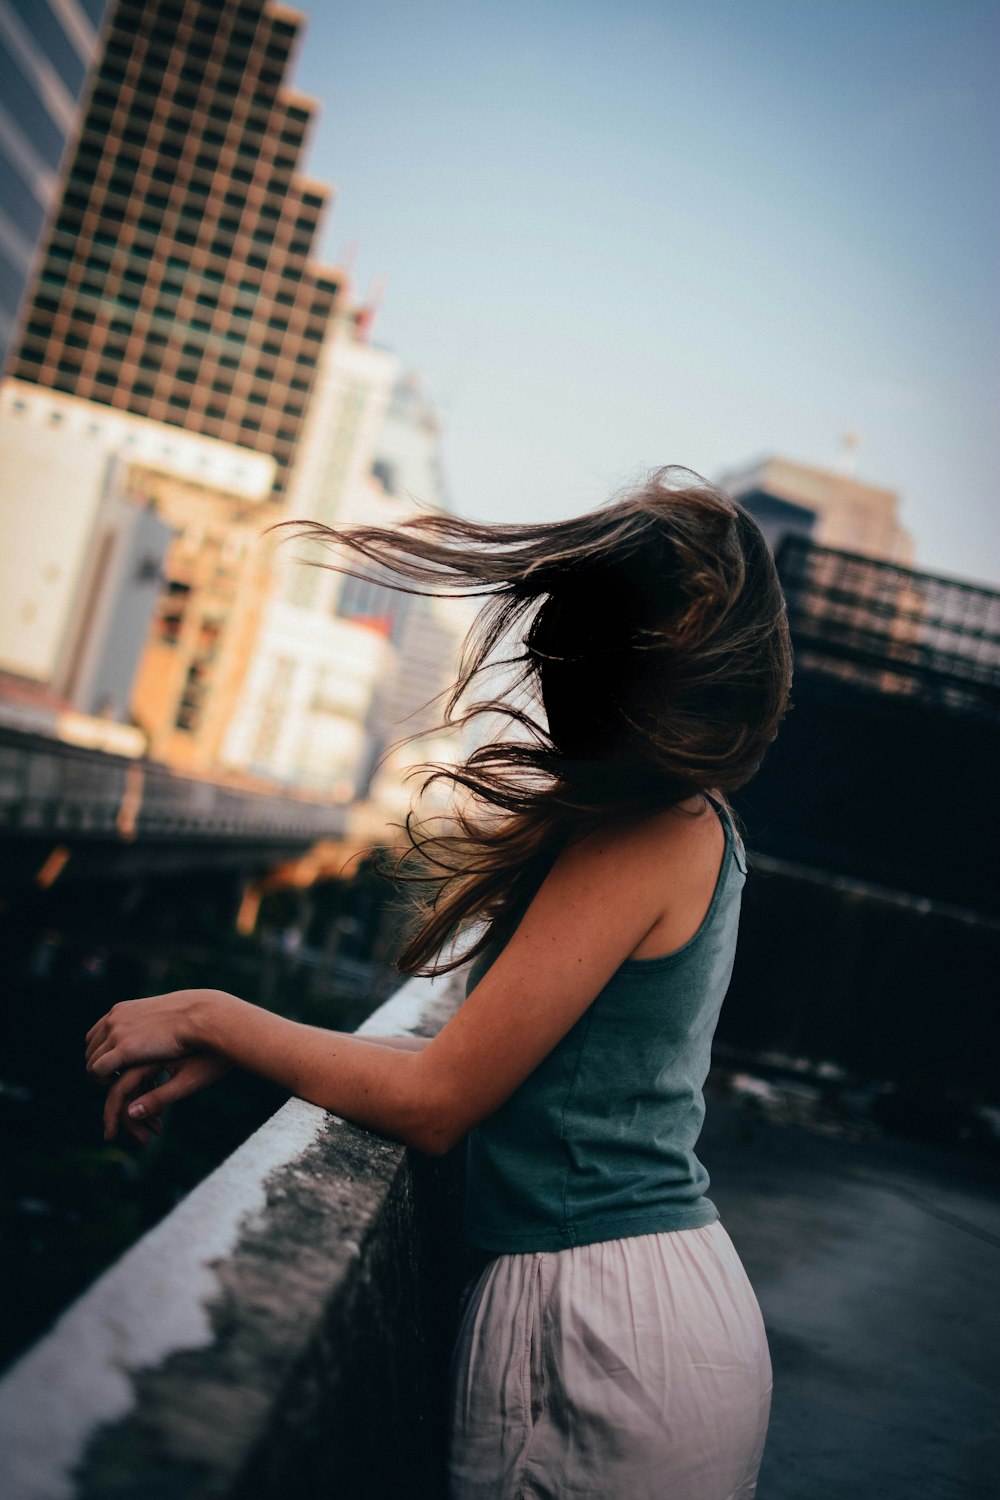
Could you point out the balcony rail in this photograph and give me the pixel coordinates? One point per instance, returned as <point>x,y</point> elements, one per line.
<point>52,789</point>
<point>284,1330</point>
<point>898,629</point>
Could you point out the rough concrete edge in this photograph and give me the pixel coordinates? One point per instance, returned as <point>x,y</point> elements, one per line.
<point>155,1301</point>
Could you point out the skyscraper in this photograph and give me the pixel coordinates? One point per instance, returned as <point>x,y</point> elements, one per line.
<point>46,52</point>
<point>302,715</point>
<point>176,281</point>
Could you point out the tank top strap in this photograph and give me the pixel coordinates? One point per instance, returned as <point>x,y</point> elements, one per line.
<point>733,840</point>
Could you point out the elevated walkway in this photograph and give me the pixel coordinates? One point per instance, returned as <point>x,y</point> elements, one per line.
<point>122,815</point>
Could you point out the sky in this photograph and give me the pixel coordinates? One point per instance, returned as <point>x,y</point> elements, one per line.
<point>611,235</point>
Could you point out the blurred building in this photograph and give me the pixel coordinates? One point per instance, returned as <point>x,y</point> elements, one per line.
<point>204,625</point>
<point>840,524</point>
<point>301,717</point>
<point>176,280</point>
<point>342,660</point>
<point>893,628</point>
<point>46,54</point>
<point>164,373</point>
<point>829,508</point>
<point>411,700</point>
<point>408,456</point>
<point>90,500</point>
<point>186,375</point>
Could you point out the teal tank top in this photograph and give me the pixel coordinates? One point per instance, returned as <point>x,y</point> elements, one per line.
<point>598,1142</point>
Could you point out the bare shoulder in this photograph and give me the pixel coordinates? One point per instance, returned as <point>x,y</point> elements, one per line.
<point>653,878</point>
<point>673,838</point>
<point>688,831</point>
<point>684,850</point>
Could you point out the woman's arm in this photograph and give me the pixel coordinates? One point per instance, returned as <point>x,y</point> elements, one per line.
<point>600,899</point>
<point>181,1079</point>
<point>360,1079</point>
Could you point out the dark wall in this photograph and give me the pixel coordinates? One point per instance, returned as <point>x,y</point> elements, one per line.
<point>889,988</point>
<point>883,787</point>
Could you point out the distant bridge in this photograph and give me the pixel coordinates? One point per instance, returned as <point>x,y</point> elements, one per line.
<point>102,814</point>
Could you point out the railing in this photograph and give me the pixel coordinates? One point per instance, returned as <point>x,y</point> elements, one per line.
<point>897,629</point>
<point>285,1330</point>
<point>48,788</point>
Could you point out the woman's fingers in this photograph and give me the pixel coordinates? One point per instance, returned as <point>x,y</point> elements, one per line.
<point>117,1053</point>
<point>95,1039</point>
<point>186,1077</point>
<point>100,1026</point>
<point>148,1087</point>
<point>143,1130</point>
<point>140,1031</point>
<point>131,1083</point>
<point>106,1062</point>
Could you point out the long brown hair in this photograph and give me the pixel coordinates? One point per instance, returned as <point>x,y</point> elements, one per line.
<point>652,634</point>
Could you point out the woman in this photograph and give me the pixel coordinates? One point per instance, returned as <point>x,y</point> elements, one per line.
<point>612,1345</point>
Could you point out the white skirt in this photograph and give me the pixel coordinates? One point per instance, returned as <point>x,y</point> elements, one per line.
<point>633,1369</point>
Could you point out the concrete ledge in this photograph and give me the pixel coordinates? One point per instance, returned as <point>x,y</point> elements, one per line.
<point>286,1327</point>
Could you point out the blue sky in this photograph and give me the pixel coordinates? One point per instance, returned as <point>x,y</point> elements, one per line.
<point>621,234</point>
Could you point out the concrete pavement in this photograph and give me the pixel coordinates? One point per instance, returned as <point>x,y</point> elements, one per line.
<point>876,1266</point>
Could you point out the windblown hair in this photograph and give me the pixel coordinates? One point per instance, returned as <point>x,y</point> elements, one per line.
<point>651,632</point>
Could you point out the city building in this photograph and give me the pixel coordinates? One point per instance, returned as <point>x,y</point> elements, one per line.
<point>46,55</point>
<point>176,280</point>
<point>345,665</point>
<point>829,508</point>
<point>90,500</point>
<point>301,718</point>
<point>218,380</point>
<point>203,631</point>
<point>893,628</point>
<point>413,703</point>
<point>411,700</point>
<point>408,457</point>
<point>844,561</point>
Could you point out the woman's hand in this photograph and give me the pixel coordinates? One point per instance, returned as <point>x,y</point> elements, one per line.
<point>132,1103</point>
<point>160,1028</point>
<point>126,1086</point>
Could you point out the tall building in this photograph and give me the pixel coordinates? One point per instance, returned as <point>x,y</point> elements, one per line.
<point>47,49</point>
<point>345,665</point>
<point>301,718</point>
<point>428,637</point>
<point>829,508</point>
<point>176,281</point>
<point>408,454</point>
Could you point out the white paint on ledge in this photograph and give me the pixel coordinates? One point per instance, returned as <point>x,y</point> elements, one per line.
<point>403,1012</point>
<point>154,1301</point>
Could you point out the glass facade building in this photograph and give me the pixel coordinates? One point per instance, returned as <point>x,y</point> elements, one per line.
<point>47,48</point>
<point>177,280</point>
